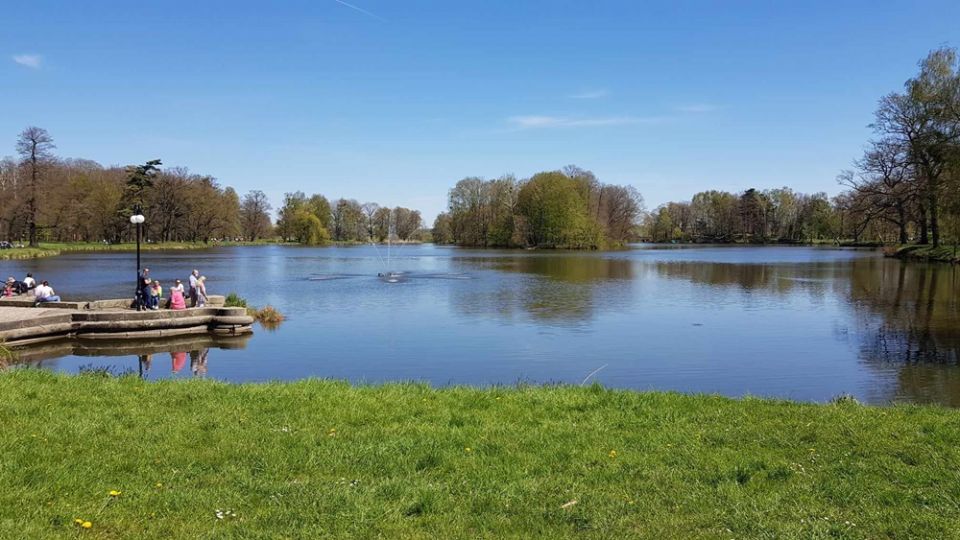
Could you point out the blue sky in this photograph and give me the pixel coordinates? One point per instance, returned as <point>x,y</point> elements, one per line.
<point>395,101</point>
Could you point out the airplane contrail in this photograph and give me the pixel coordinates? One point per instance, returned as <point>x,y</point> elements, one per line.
<point>361,10</point>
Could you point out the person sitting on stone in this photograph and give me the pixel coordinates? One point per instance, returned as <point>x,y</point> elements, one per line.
<point>28,282</point>
<point>8,287</point>
<point>44,293</point>
<point>17,287</point>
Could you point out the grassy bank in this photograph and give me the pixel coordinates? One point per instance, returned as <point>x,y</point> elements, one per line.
<point>51,249</point>
<point>949,254</point>
<point>322,459</point>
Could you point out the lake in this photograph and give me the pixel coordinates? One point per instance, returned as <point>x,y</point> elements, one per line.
<point>801,323</point>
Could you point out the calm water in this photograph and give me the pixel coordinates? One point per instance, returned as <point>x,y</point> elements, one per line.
<point>791,322</point>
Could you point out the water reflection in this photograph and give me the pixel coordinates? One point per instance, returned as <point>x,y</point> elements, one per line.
<point>144,362</point>
<point>178,350</point>
<point>792,322</point>
<point>561,289</point>
<point>910,310</point>
<point>904,318</point>
<point>198,362</point>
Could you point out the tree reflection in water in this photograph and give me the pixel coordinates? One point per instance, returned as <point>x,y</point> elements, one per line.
<point>561,288</point>
<point>905,316</point>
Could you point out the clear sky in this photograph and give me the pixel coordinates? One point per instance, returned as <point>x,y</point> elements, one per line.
<point>394,101</point>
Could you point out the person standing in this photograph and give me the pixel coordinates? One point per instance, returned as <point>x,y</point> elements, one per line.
<point>202,291</point>
<point>194,278</point>
<point>176,297</point>
<point>143,290</point>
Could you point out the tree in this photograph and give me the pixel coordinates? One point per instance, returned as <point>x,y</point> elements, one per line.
<point>381,224</point>
<point>884,186</point>
<point>369,212</point>
<point>141,178</point>
<point>923,120</point>
<point>556,212</point>
<point>442,229</point>
<point>622,206</point>
<point>292,204</point>
<point>35,147</point>
<point>406,222</point>
<point>255,215</point>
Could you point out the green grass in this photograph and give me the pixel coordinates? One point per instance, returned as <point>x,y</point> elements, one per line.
<point>949,254</point>
<point>52,249</point>
<point>16,254</point>
<point>318,459</point>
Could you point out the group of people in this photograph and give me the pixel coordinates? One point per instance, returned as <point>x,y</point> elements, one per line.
<point>149,293</point>
<point>41,293</point>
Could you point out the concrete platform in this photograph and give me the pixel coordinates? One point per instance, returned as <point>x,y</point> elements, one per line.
<point>23,324</point>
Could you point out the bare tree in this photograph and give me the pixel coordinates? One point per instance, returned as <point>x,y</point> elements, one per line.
<point>255,215</point>
<point>35,147</point>
<point>369,212</point>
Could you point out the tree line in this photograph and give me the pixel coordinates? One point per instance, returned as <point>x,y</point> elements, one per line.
<point>47,198</point>
<point>905,187</point>
<point>315,220</point>
<point>569,208</point>
<point>909,175</point>
<point>775,215</point>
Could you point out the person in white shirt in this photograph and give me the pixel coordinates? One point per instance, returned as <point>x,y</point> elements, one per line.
<point>29,281</point>
<point>44,293</point>
<point>194,293</point>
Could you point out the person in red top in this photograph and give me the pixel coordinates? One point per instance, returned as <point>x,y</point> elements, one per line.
<point>179,360</point>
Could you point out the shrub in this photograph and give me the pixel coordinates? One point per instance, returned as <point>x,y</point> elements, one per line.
<point>235,300</point>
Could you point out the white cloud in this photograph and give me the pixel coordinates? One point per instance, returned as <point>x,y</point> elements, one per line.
<point>361,10</point>
<point>535,122</point>
<point>697,108</point>
<point>31,61</point>
<point>590,94</point>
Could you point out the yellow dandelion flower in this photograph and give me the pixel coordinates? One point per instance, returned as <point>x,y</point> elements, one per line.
<point>86,525</point>
<point>468,449</point>
<point>159,484</point>
<point>115,493</point>
<point>78,521</point>
<point>613,454</point>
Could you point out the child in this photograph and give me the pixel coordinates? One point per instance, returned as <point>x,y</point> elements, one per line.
<point>156,292</point>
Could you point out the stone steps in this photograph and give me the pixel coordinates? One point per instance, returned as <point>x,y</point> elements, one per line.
<point>23,324</point>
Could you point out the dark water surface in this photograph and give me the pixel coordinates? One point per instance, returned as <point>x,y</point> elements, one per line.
<point>791,322</point>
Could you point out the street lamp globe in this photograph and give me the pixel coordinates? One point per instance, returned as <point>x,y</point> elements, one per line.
<point>136,219</point>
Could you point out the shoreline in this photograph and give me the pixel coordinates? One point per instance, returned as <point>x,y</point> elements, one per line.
<point>56,249</point>
<point>927,253</point>
<point>325,458</point>
<point>22,324</point>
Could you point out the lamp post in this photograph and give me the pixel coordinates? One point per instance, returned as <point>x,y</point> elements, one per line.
<point>138,219</point>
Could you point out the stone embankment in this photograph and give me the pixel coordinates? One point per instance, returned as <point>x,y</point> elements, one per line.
<point>23,324</point>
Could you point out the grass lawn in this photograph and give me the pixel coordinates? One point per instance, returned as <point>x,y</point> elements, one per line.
<point>319,459</point>
<point>51,249</point>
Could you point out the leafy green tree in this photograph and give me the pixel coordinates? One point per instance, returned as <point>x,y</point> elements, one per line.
<point>442,232</point>
<point>556,212</point>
